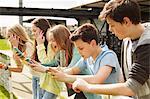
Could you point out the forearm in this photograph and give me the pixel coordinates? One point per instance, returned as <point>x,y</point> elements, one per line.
<point>43,58</point>
<point>72,78</point>
<point>41,69</point>
<point>52,63</point>
<point>72,71</point>
<point>89,78</point>
<point>19,70</point>
<point>69,78</point>
<point>111,89</point>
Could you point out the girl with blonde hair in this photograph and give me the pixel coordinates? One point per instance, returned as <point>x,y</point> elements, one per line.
<point>19,39</point>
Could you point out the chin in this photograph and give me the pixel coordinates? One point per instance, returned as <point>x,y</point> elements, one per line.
<point>120,38</point>
<point>85,58</point>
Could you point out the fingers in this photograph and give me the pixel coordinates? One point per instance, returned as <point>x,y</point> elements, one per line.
<point>55,73</point>
<point>14,40</point>
<point>40,37</point>
<point>77,90</point>
<point>11,38</point>
<point>75,87</point>
<point>33,63</point>
<point>16,37</point>
<point>112,4</point>
<point>52,74</point>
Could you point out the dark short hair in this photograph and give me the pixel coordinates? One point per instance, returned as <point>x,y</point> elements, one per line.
<point>130,9</point>
<point>86,32</point>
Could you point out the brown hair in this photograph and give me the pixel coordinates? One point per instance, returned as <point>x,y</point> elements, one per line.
<point>130,9</point>
<point>61,35</point>
<point>44,25</point>
<point>86,32</point>
<point>118,10</point>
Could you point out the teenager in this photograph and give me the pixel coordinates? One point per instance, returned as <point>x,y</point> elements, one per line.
<point>124,20</point>
<point>103,63</point>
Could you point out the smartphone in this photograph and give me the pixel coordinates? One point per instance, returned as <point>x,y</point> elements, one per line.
<point>20,54</point>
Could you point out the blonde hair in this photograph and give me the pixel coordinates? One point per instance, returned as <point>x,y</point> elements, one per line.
<point>19,30</point>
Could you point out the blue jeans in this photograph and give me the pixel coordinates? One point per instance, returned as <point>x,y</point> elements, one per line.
<point>48,95</point>
<point>37,91</point>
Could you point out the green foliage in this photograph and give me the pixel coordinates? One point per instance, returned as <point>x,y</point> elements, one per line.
<point>4,94</point>
<point>4,44</point>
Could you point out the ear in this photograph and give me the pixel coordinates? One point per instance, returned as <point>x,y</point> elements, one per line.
<point>93,43</point>
<point>127,21</point>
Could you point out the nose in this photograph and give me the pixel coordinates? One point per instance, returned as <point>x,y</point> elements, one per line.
<point>110,29</point>
<point>113,32</point>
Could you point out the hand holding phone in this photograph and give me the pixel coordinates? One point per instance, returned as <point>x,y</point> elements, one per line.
<point>21,55</point>
<point>14,40</point>
<point>40,38</point>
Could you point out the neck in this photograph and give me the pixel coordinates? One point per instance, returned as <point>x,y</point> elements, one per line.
<point>96,52</point>
<point>137,31</point>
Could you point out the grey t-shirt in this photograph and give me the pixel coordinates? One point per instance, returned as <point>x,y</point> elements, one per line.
<point>139,76</point>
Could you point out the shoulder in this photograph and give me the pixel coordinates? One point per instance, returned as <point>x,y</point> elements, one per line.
<point>108,54</point>
<point>29,44</point>
<point>143,48</point>
<point>145,37</point>
<point>29,47</point>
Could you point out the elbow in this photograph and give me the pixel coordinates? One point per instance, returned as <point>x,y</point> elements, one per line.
<point>128,91</point>
<point>131,93</point>
<point>96,80</point>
